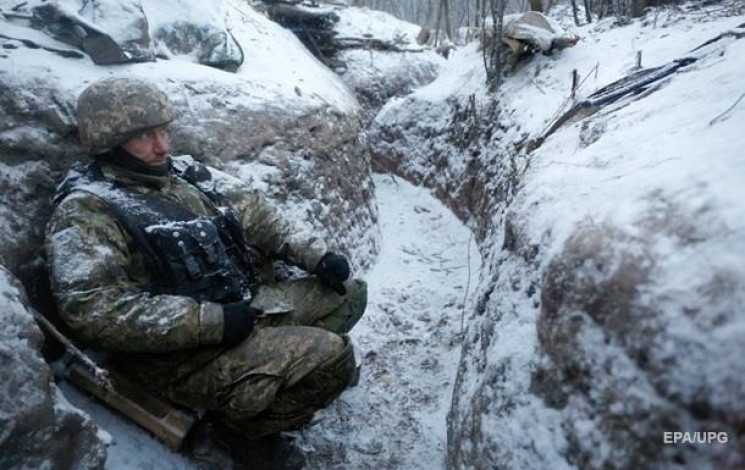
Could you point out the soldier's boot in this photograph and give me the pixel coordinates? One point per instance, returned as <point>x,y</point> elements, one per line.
<point>204,445</point>
<point>216,447</point>
<point>272,452</point>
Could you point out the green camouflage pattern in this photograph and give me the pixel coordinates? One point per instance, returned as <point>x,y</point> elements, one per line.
<point>171,343</point>
<point>111,110</point>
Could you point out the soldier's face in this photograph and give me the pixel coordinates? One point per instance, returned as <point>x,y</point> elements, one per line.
<point>151,146</point>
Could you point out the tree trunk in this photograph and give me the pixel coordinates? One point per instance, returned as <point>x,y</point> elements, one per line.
<point>601,10</point>
<point>588,16</point>
<point>438,23</point>
<point>537,5</point>
<point>574,12</point>
<point>446,14</point>
<point>494,73</point>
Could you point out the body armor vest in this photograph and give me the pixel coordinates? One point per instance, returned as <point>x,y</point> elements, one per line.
<point>207,258</point>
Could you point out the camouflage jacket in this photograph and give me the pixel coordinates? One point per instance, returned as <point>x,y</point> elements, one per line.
<point>97,273</point>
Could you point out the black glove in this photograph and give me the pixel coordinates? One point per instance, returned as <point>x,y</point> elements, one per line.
<point>238,322</point>
<point>333,270</point>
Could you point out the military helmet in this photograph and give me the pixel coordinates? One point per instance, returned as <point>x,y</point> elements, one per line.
<point>110,110</point>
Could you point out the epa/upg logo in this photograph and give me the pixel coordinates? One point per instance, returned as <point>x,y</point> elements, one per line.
<point>707,437</point>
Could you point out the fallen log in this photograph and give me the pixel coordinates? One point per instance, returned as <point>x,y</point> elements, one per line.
<point>282,2</point>
<point>66,53</point>
<point>288,15</point>
<point>372,43</point>
<point>315,29</point>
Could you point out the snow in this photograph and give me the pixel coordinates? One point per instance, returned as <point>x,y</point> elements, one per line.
<point>459,78</point>
<point>364,22</point>
<point>294,67</point>
<point>656,154</point>
<point>540,89</point>
<point>376,75</point>
<point>162,12</point>
<point>600,58</point>
<point>368,68</point>
<point>674,152</point>
<point>131,447</point>
<point>409,337</point>
<point>662,168</point>
<point>677,157</point>
<point>266,76</point>
<point>116,15</point>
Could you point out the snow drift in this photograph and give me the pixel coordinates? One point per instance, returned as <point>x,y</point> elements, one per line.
<point>609,310</point>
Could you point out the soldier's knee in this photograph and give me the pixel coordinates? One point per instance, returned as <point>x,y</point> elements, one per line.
<point>336,374</point>
<point>349,364</point>
<point>279,358</point>
<point>356,290</point>
<point>344,364</point>
<point>343,319</point>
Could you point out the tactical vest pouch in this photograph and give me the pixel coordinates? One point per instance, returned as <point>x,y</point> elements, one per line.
<point>206,258</point>
<point>231,232</point>
<point>196,259</point>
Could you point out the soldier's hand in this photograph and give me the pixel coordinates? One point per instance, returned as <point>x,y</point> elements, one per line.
<point>238,322</point>
<point>333,270</point>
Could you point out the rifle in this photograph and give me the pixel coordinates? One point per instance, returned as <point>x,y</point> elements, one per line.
<point>167,423</point>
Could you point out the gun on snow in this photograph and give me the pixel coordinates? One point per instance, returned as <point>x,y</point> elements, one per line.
<point>169,424</point>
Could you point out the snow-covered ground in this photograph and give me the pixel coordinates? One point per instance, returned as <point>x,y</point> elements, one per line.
<point>410,341</point>
<point>277,70</point>
<point>132,448</point>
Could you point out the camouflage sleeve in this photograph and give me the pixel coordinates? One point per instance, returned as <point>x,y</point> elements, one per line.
<point>96,283</point>
<point>267,229</point>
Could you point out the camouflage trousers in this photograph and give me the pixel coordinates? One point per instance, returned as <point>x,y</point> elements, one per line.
<point>291,365</point>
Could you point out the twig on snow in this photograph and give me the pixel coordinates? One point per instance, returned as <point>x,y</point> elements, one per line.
<point>468,286</point>
<point>727,111</point>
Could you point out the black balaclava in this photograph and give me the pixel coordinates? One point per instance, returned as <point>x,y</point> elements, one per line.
<point>123,159</point>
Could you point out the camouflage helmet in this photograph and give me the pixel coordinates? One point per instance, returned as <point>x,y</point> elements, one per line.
<point>110,110</point>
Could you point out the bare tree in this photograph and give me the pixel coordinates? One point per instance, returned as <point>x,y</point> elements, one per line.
<point>446,16</point>
<point>493,51</point>
<point>588,16</point>
<point>574,12</point>
<point>457,13</point>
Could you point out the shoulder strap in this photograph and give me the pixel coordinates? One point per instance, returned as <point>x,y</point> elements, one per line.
<point>198,175</point>
<point>79,177</point>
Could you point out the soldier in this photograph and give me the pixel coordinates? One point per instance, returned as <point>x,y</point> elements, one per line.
<point>166,264</point>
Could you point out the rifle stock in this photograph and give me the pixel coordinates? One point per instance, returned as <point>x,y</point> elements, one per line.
<point>169,424</point>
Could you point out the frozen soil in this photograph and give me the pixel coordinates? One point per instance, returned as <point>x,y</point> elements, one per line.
<point>409,340</point>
